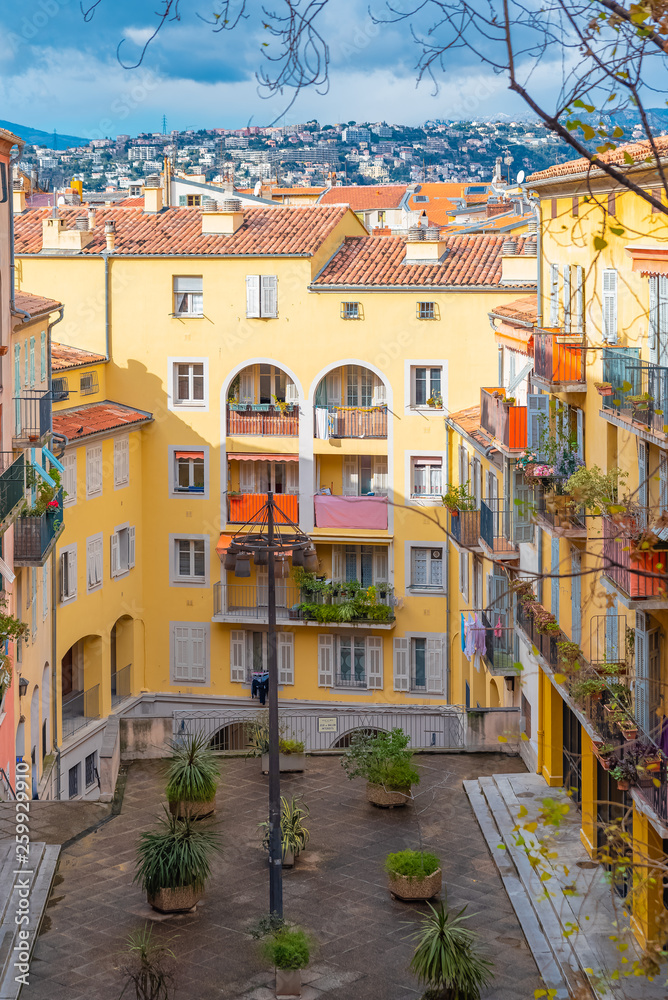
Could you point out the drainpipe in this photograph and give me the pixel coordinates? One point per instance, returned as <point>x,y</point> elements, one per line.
<point>447,576</point>
<point>106,299</point>
<point>539,258</point>
<point>54,667</point>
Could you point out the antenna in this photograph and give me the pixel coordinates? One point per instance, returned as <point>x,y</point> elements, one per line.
<point>55,139</point>
<point>164,125</point>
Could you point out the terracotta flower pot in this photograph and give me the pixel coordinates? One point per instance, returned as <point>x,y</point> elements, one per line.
<point>387,798</point>
<point>623,785</point>
<point>178,900</point>
<point>403,887</point>
<point>288,983</point>
<point>196,810</point>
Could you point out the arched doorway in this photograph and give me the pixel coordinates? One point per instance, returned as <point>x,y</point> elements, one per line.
<point>81,676</point>
<point>121,647</point>
<point>46,711</point>
<point>344,741</point>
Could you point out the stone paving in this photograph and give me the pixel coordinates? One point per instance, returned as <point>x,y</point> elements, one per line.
<point>337,890</point>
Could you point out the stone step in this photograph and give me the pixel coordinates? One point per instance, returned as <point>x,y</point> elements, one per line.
<point>43,863</point>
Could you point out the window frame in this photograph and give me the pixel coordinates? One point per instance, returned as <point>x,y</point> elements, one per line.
<point>71,497</point>
<point>427,588</point>
<point>175,491</point>
<point>175,578</point>
<point>92,757</point>
<point>71,595</point>
<point>116,570</point>
<point>122,444</point>
<point>194,311</point>
<point>90,541</point>
<point>180,680</point>
<point>351,310</point>
<point>92,493</point>
<point>410,368</point>
<point>419,461</point>
<point>173,403</point>
<point>76,771</point>
<point>427,310</point>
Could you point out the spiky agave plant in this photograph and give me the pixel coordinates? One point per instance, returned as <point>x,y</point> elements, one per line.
<point>149,966</point>
<point>192,770</point>
<point>177,853</point>
<point>446,959</point>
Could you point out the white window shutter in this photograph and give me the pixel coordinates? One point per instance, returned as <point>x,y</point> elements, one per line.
<point>379,564</point>
<point>247,477</point>
<point>379,481</point>
<point>181,653</point>
<point>662,325</point>
<point>72,573</point>
<point>246,387</point>
<point>554,294</point>
<point>374,662</point>
<point>291,394</point>
<point>567,297</point>
<point>609,305</point>
<point>579,298</point>
<point>91,562</point>
<point>114,555</point>
<point>269,296</point>
<point>434,665</point>
<point>642,685</point>
<point>238,655</point>
<point>325,661</point>
<point>338,563</point>
<point>643,484</point>
<point>63,576</point>
<point>350,476</point>
<point>252,296</point>
<point>477,480</point>
<point>131,547</point>
<point>663,480</point>
<point>197,654</point>
<point>400,648</point>
<point>286,657</point>
<point>379,393</point>
<point>579,429</point>
<point>292,477</point>
<point>121,461</point>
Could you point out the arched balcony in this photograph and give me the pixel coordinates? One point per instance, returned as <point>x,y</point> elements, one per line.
<point>262,400</point>
<point>350,402</point>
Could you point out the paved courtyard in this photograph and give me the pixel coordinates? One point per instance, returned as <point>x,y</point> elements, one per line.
<point>338,890</point>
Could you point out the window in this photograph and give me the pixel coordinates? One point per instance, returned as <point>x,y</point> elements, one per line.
<point>261,296</point>
<point>427,568</point>
<point>351,310</point>
<point>350,670</point>
<point>94,471</point>
<point>88,384</point>
<point>74,781</point>
<point>32,362</point>
<point>553,207</point>
<point>426,385</point>
<point>121,461</point>
<point>188,296</point>
<point>189,653</point>
<point>94,562</point>
<point>366,563</point>
<point>42,356</point>
<point>59,389</point>
<point>91,769</point>
<point>420,197</point>
<point>190,559</point>
<point>189,387</point>
<point>609,305</point>
<point>359,386</point>
<point>658,319</point>
<point>122,550</point>
<point>426,310</point>
<point>189,471</point>
<point>68,573</point>
<point>70,478</point>
<point>192,200</point>
<point>464,575</point>
<point>364,475</point>
<point>248,655</point>
<point>350,661</point>
<point>554,294</point>
<point>566,297</point>
<point>259,477</point>
<point>418,663</point>
<point>381,218</point>
<point>426,477</point>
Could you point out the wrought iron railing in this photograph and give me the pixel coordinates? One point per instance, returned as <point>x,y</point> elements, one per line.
<point>352,421</point>
<point>638,573</point>
<point>252,601</point>
<point>12,483</point>
<point>351,679</point>
<point>556,361</point>
<point>263,419</point>
<point>34,535</point>
<point>497,526</point>
<point>639,388</point>
<point>32,416</point>
<point>465,527</point>
<point>121,684</point>
<point>560,512</point>
<point>81,709</point>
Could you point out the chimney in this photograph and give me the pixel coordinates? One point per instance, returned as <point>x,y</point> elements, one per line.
<point>19,198</point>
<point>110,235</point>
<point>424,245</point>
<point>152,192</point>
<point>91,219</point>
<point>56,237</point>
<point>519,266</point>
<point>225,221</point>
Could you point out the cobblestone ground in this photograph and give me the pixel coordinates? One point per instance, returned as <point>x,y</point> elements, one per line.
<point>338,891</point>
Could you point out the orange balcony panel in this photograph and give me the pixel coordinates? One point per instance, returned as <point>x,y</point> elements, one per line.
<point>517,426</point>
<point>246,506</point>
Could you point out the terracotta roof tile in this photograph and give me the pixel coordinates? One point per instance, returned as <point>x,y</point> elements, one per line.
<point>365,197</point>
<point>469,421</point>
<point>367,260</point>
<point>36,305</point>
<point>638,150</point>
<point>523,309</point>
<point>95,418</point>
<point>282,229</point>
<point>63,357</point>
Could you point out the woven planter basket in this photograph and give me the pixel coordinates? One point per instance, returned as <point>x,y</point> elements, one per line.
<point>404,887</point>
<point>196,810</point>
<point>175,900</point>
<point>387,798</point>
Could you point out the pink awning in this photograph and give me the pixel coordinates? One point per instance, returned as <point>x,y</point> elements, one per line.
<point>235,457</point>
<point>350,512</point>
<point>189,454</point>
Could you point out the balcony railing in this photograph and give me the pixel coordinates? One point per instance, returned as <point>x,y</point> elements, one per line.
<point>465,527</point>
<point>252,601</point>
<point>339,512</point>
<point>497,527</point>
<point>32,417</point>
<point>639,389</point>
<point>505,422</point>
<point>352,679</point>
<point>80,709</point>
<point>558,358</point>
<point>34,537</point>
<point>263,419</point>
<point>638,574</point>
<point>243,508</point>
<point>12,483</point>
<point>350,422</point>
<point>499,636</point>
<point>561,513</point>
<point>120,685</point>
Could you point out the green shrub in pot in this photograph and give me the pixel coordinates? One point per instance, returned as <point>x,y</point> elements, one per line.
<point>412,864</point>
<point>173,862</point>
<point>382,759</point>
<point>192,776</point>
<point>446,958</point>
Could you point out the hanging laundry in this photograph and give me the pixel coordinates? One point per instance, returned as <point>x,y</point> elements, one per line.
<point>480,637</point>
<point>469,648</point>
<point>463,633</point>
<point>498,628</point>
<point>260,687</point>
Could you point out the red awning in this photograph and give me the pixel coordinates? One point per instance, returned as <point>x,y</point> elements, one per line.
<point>235,457</point>
<point>189,454</point>
<point>649,259</point>
<point>223,545</point>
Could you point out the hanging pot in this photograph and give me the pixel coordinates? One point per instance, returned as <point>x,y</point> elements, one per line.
<point>261,557</point>
<point>311,561</point>
<point>230,560</point>
<point>242,567</point>
<point>297,557</point>
<point>280,567</point>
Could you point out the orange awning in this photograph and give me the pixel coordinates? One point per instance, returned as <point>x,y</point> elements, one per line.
<point>235,457</point>
<point>649,259</point>
<point>518,338</point>
<point>189,454</point>
<point>223,545</point>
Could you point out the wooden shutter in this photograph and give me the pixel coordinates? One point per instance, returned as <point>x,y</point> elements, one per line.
<point>463,465</point>
<point>286,657</point>
<point>579,299</point>
<point>338,563</point>
<point>400,657</point>
<point>252,296</point>
<point>70,477</point>
<point>662,324</point>
<point>291,394</point>
<point>477,480</point>
<point>663,480</point>
<point>247,477</point>
<point>325,661</point>
<point>238,655</point>
<point>63,576</point>
<point>434,665</point>
<point>94,470</point>
<point>247,386</point>
<point>182,653</point>
<point>32,361</point>
<point>334,388</point>
<point>379,564</point>
<point>379,393</point>
<point>554,294</point>
<point>114,555</point>
<point>350,476</point>
<point>292,477</point>
<point>42,356</point>
<point>121,461</point>
<point>567,297</point>
<point>131,547</point>
<point>609,305</point>
<point>374,662</point>
<point>641,649</point>
<point>197,654</point>
<point>464,574</point>
<point>91,563</point>
<point>379,480</point>
<point>538,415</point>
<point>653,332</point>
<point>576,597</point>
<point>269,296</point>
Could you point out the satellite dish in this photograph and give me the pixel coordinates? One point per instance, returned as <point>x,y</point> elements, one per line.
<point>520,177</point>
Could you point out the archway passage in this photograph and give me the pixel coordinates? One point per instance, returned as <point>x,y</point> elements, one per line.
<point>344,741</point>
<point>81,676</point>
<point>233,736</point>
<point>121,641</point>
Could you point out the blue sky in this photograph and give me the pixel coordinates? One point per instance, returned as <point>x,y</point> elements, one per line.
<point>57,71</point>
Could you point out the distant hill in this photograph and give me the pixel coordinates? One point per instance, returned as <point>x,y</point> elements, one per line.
<point>35,137</point>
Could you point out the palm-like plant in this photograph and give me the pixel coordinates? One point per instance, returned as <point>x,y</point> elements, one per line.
<point>176,854</point>
<point>149,967</point>
<point>192,770</point>
<point>294,835</point>
<point>446,959</point>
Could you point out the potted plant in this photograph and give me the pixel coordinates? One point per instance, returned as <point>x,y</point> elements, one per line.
<point>294,835</point>
<point>289,951</point>
<point>192,777</point>
<point>291,756</point>
<point>435,401</point>
<point>570,655</point>
<point>604,752</point>
<point>446,958</point>
<point>413,875</point>
<point>174,862</point>
<point>592,687</point>
<point>458,498</point>
<point>386,763</point>
<point>149,966</point>
<point>603,388</point>
<point>596,490</point>
<point>624,773</point>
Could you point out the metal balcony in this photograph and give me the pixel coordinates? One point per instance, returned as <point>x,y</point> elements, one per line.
<point>32,418</point>
<point>559,361</point>
<point>497,528</point>
<point>641,575</point>
<point>639,390</point>
<point>12,486</point>
<point>245,506</point>
<point>465,528</point>
<point>35,536</point>
<point>79,709</point>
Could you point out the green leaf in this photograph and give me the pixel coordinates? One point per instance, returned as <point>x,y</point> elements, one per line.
<point>617,230</point>
<point>618,132</point>
<point>587,131</point>
<point>600,243</point>
<point>581,104</point>
<point>626,386</point>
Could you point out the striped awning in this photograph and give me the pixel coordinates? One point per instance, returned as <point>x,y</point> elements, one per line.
<point>236,457</point>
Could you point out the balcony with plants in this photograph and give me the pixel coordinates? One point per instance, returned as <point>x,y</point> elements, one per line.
<point>559,361</point>
<point>602,695</point>
<point>635,551</point>
<point>634,391</point>
<point>464,516</point>
<point>12,486</point>
<point>503,419</point>
<point>40,523</point>
<point>262,402</point>
<point>350,402</point>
